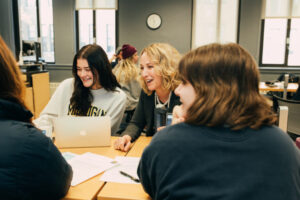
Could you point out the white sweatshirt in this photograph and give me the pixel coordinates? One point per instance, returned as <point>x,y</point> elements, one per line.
<point>104,103</point>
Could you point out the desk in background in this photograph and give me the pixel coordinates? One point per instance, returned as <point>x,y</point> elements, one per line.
<point>121,191</point>
<point>292,87</point>
<point>36,79</point>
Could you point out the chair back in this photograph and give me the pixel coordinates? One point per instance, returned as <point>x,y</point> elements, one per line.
<point>293,125</point>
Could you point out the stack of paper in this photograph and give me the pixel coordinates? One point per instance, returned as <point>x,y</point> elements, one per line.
<point>126,164</point>
<point>88,165</point>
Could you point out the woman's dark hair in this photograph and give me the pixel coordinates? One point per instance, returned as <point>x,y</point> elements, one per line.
<point>225,79</point>
<point>12,87</point>
<point>96,57</point>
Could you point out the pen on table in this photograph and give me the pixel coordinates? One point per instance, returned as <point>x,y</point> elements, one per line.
<point>129,176</point>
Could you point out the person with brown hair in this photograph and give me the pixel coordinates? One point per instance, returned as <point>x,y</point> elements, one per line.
<point>31,165</point>
<point>114,60</point>
<point>158,78</point>
<point>227,146</point>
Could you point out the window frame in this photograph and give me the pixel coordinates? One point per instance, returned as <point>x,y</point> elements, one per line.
<point>219,13</point>
<point>286,55</point>
<point>289,17</point>
<point>94,29</point>
<point>17,29</point>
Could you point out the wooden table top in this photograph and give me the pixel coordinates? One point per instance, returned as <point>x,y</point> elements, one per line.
<point>90,188</point>
<point>121,191</point>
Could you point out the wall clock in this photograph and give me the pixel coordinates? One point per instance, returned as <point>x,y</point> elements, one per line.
<point>153,21</point>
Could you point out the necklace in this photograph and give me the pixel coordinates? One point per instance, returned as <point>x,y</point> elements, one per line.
<point>158,103</point>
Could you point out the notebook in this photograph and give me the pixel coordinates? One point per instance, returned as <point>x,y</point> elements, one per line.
<point>78,131</point>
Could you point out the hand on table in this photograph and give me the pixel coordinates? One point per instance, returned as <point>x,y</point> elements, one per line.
<point>123,143</point>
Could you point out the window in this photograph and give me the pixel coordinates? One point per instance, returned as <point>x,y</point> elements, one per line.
<point>294,47</point>
<point>30,13</point>
<point>274,41</point>
<point>85,18</point>
<point>214,21</point>
<point>105,30</point>
<point>28,20</point>
<point>46,29</point>
<point>280,42</point>
<point>103,22</point>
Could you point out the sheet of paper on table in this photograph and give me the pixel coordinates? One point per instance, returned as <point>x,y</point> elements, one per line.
<point>88,165</point>
<point>126,164</point>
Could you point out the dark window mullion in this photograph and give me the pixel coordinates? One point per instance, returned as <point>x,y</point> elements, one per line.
<point>287,42</point>
<point>117,29</point>
<point>77,29</point>
<point>38,19</point>
<point>94,26</point>
<point>261,42</point>
<point>16,28</point>
<point>39,52</point>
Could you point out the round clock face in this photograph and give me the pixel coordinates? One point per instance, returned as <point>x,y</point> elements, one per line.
<point>153,21</point>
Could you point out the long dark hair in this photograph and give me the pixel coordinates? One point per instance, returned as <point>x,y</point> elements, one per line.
<point>226,80</point>
<point>96,57</point>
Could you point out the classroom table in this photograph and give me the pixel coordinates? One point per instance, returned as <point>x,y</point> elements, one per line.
<point>278,87</point>
<point>89,189</point>
<point>121,191</point>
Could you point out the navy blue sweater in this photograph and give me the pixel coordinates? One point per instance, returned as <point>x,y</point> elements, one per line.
<point>196,162</point>
<point>31,167</point>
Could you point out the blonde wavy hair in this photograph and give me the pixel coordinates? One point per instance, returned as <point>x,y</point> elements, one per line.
<point>126,70</point>
<point>165,59</point>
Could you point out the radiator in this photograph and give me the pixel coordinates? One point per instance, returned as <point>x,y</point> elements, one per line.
<point>53,86</point>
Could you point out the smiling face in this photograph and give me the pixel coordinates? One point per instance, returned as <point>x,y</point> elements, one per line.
<point>151,78</point>
<point>86,75</point>
<point>187,95</point>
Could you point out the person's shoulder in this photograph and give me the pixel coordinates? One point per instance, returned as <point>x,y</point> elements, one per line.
<point>172,134</point>
<point>21,128</point>
<point>67,84</point>
<point>68,81</point>
<point>37,148</point>
<point>273,135</point>
<point>116,96</point>
<point>120,93</point>
<point>275,142</point>
<point>271,131</point>
<point>167,140</point>
<point>34,137</point>
<point>27,137</point>
<point>134,83</point>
